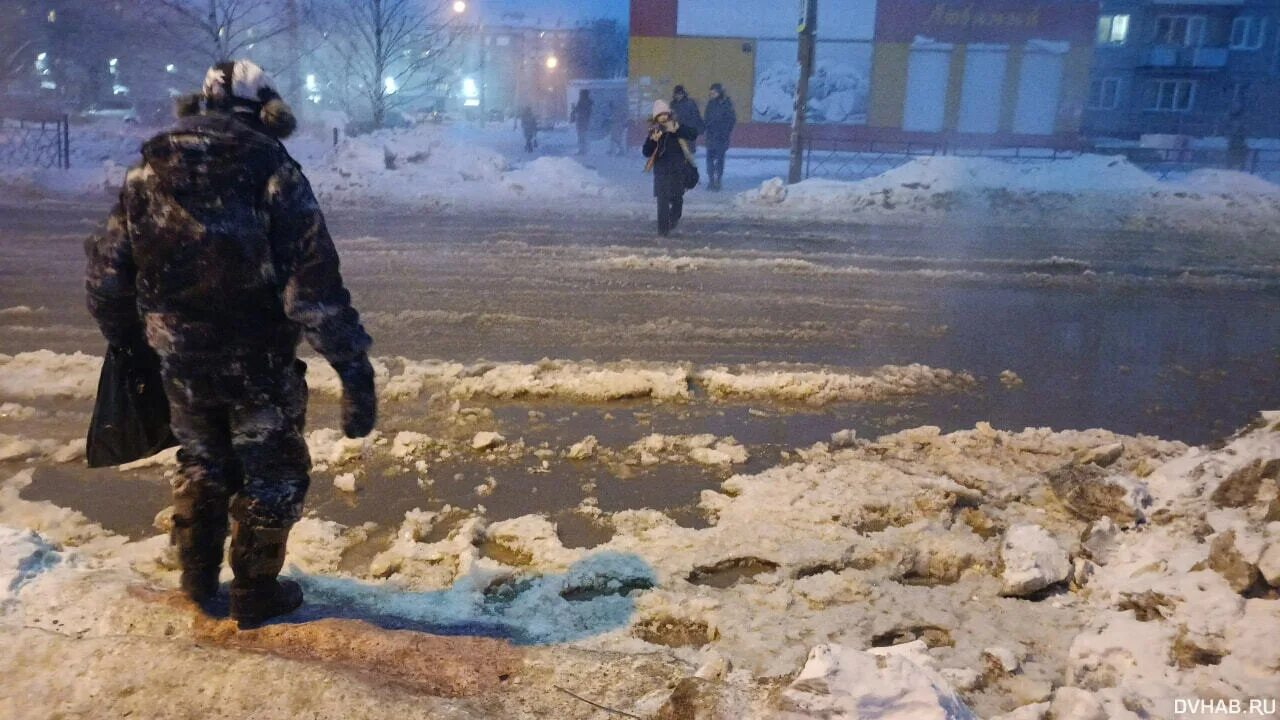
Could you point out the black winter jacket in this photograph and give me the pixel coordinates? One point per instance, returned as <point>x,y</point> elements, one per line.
<point>669,160</point>
<point>720,120</point>
<point>686,111</point>
<point>217,249</point>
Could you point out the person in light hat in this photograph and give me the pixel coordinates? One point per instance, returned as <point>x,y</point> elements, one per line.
<point>217,258</point>
<point>670,159</point>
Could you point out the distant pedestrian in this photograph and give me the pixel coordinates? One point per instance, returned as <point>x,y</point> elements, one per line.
<point>616,124</point>
<point>686,112</point>
<point>529,125</point>
<point>581,116</point>
<point>1237,138</point>
<point>668,148</point>
<point>720,120</point>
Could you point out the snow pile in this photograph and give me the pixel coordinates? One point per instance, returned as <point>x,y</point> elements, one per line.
<point>551,178</point>
<point>97,180</point>
<point>1088,191</point>
<point>428,165</point>
<point>891,556</point>
<point>894,683</point>
<point>578,381</point>
<point>421,165</point>
<point>820,387</point>
<point>46,374</point>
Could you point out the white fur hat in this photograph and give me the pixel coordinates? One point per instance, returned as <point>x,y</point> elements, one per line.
<point>247,82</point>
<point>659,107</point>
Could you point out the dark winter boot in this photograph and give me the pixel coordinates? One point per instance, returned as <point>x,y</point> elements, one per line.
<point>198,541</point>
<point>257,595</point>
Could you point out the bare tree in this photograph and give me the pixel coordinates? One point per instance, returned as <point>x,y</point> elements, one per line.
<point>389,51</point>
<point>17,50</point>
<point>225,29</point>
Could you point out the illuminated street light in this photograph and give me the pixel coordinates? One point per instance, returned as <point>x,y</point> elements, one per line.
<point>389,83</point>
<point>459,7</point>
<point>552,62</point>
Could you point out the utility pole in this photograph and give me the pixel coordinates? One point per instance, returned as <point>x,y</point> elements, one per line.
<point>807,30</point>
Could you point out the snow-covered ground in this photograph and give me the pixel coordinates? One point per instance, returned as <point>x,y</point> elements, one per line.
<point>662,535</point>
<point>915,575</point>
<point>466,166</point>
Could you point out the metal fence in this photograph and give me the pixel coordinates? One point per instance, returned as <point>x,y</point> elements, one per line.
<point>35,143</point>
<point>855,160</point>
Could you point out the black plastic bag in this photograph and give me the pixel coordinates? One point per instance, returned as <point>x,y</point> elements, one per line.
<point>131,414</point>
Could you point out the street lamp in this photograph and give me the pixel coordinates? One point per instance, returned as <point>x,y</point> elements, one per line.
<point>552,62</point>
<point>459,7</point>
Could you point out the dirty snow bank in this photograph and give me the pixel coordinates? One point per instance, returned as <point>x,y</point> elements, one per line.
<point>421,165</point>
<point>868,576</point>
<point>1088,191</point>
<point>45,374</point>
<point>427,165</point>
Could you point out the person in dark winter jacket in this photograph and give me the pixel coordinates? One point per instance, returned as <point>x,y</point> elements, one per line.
<point>668,161</point>
<point>686,112</point>
<point>616,124</point>
<point>529,125</point>
<point>719,120</point>
<point>217,258</point>
<point>581,116</point>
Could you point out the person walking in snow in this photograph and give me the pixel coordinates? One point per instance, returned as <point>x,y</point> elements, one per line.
<point>581,116</point>
<point>529,125</point>
<point>686,112</point>
<point>668,151</point>
<point>616,124</point>
<point>720,120</point>
<point>217,257</point>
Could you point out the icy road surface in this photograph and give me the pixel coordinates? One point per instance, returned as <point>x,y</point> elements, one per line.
<point>1169,336</point>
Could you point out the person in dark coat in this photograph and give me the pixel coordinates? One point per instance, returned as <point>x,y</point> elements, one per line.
<point>719,120</point>
<point>686,112</point>
<point>581,116</point>
<point>529,125</point>
<point>616,124</point>
<point>668,161</point>
<point>217,258</point>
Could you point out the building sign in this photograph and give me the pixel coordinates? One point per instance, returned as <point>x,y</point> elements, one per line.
<point>989,21</point>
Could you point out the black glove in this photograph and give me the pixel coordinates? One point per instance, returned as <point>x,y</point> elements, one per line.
<point>359,400</point>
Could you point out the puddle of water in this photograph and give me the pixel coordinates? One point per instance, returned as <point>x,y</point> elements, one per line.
<point>123,504</point>
<point>728,573</point>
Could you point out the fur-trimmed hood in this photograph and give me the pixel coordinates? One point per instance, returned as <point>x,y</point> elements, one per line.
<point>273,117</point>
<point>242,89</point>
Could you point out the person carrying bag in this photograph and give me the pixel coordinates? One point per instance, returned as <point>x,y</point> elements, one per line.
<point>670,158</point>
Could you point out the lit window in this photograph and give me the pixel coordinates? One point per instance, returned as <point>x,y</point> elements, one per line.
<point>1104,94</point>
<point>1113,29</point>
<point>1171,95</point>
<point>1247,33</point>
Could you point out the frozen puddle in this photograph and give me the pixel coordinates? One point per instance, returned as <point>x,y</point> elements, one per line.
<point>660,538</point>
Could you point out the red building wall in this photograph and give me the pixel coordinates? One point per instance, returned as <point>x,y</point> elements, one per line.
<point>653,18</point>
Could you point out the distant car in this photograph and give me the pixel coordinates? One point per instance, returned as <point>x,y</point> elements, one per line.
<point>117,109</point>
